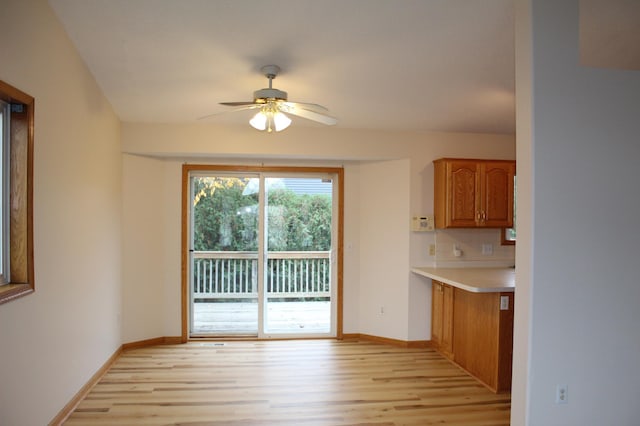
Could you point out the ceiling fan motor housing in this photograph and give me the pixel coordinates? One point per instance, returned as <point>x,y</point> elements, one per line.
<point>263,95</point>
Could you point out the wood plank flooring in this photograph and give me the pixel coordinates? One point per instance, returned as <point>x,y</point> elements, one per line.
<point>300,382</point>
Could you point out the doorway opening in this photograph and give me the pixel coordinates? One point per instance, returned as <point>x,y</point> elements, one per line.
<point>262,252</point>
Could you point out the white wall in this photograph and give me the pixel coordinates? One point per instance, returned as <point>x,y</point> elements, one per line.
<point>384,248</point>
<point>151,248</point>
<point>54,340</point>
<point>172,274</point>
<point>577,299</point>
<point>351,255</point>
<point>373,266</point>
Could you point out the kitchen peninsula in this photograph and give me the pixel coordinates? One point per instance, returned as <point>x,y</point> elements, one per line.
<point>472,320</point>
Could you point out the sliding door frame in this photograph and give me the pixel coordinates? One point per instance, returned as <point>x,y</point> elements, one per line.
<point>187,169</point>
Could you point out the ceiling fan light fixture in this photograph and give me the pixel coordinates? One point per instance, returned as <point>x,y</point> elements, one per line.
<point>270,120</point>
<point>259,121</point>
<point>281,121</point>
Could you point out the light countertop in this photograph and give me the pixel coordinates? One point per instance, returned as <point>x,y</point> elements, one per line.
<point>475,280</point>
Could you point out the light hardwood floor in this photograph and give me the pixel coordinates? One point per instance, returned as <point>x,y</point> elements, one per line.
<point>301,382</point>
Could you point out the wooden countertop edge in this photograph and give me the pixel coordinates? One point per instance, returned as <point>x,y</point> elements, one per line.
<point>461,285</point>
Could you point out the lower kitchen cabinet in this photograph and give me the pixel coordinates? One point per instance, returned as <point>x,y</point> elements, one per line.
<point>475,330</point>
<point>442,318</point>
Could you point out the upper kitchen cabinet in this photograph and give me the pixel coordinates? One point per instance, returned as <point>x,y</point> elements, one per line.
<point>473,193</point>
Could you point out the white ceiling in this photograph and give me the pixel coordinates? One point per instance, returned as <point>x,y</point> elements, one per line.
<point>443,65</point>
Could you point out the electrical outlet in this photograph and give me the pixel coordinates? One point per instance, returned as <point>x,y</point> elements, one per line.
<point>381,310</point>
<point>562,394</point>
<point>432,249</point>
<point>487,249</point>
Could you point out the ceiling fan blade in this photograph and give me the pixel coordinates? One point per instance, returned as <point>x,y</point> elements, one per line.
<point>308,114</point>
<point>311,107</point>
<point>239,108</point>
<point>237,103</point>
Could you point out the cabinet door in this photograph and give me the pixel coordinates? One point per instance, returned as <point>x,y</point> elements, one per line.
<point>456,185</point>
<point>436,313</point>
<point>464,189</point>
<point>473,193</point>
<point>446,344</point>
<point>497,194</point>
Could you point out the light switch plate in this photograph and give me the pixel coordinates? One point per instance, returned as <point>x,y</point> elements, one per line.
<point>504,303</point>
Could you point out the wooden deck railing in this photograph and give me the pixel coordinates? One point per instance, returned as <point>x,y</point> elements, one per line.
<point>234,275</point>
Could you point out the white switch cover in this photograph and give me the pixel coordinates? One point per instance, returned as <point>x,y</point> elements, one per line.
<point>504,303</point>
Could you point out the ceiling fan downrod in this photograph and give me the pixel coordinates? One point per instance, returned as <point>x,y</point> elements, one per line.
<point>264,95</point>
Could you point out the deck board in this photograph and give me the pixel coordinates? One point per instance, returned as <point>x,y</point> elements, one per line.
<point>227,318</point>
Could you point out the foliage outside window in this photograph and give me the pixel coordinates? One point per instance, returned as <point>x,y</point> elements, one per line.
<point>508,236</point>
<point>16,211</point>
<point>226,219</point>
<point>296,222</point>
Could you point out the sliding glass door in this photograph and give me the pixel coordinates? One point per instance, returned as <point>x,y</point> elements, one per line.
<point>224,255</point>
<point>298,255</point>
<point>261,258</point>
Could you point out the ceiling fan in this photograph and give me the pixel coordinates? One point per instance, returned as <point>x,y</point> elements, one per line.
<point>273,107</point>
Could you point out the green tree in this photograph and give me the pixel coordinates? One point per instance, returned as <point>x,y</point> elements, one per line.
<point>225,217</point>
<point>303,221</point>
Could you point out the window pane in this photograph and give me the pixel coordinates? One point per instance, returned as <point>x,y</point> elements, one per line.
<point>4,140</point>
<point>16,212</point>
